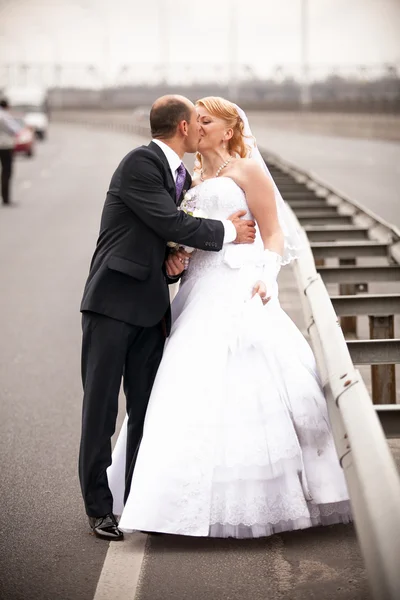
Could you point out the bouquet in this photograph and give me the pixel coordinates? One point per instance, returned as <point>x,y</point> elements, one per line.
<point>188,205</point>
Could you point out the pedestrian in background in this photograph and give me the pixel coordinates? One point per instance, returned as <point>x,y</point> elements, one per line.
<point>9,128</point>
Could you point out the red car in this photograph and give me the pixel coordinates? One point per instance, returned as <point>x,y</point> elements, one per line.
<point>25,140</point>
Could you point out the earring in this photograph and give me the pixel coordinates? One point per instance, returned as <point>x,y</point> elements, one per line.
<point>223,146</point>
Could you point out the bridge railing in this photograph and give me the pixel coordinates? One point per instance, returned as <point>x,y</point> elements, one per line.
<point>370,470</point>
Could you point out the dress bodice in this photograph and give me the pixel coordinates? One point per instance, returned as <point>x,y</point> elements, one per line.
<point>219,198</point>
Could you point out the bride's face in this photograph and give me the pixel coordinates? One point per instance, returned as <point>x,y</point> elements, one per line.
<point>212,130</point>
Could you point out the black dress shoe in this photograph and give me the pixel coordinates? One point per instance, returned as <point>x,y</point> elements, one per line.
<point>106,528</point>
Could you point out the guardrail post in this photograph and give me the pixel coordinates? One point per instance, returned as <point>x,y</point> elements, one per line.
<point>383,376</point>
<point>348,324</point>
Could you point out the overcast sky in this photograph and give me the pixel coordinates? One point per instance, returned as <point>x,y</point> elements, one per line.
<point>268,33</point>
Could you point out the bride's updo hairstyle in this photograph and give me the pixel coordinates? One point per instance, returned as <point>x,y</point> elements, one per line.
<point>225,110</point>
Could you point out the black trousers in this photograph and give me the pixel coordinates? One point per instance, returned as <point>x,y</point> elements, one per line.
<point>111,351</point>
<point>6,160</point>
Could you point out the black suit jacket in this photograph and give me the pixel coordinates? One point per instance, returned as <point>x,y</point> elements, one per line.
<point>127,279</point>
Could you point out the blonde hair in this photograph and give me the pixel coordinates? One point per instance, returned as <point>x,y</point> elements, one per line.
<point>225,110</point>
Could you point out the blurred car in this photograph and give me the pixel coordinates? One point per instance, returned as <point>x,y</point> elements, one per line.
<point>38,120</point>
<point>31,102</point>
<point>25,139</point>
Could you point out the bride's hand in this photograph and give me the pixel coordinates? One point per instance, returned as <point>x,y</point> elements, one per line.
<point>260,289</point>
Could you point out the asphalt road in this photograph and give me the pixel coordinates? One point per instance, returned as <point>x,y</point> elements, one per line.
<point>47,552</point>
<point>46,241</point>
<point>367,171</point>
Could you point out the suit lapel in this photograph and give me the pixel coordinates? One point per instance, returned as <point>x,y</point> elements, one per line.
<point>170,179</point>
<point>171,182</point>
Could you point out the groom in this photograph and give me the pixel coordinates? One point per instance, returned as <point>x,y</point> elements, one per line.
<point>126,312</point>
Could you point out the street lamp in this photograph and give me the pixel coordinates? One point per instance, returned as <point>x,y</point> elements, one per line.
<point>10,70</point>
<point>233,53</point>
<point>163,39</point>
<point>21,70</point>
<point>104,24</point>
<point>305,98</point>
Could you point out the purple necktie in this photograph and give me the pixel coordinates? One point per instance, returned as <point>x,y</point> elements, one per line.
<point>180,180</point>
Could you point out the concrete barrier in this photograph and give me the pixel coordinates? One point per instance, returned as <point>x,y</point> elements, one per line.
<point>367,126</point>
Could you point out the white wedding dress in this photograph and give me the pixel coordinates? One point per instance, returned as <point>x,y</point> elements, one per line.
<point>237,441</point>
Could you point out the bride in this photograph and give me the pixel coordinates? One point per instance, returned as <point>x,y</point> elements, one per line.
<point>237,441</point>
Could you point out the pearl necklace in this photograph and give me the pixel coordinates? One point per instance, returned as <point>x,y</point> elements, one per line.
<point>218,170</point>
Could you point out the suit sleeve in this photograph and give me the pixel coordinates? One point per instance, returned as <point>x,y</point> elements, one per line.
<point>143,191</point>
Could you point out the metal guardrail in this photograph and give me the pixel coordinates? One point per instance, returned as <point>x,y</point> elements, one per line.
<point>341,229</point>
<point>371,473</point>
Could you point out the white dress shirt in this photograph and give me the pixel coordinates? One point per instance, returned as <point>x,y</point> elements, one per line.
<point>174,161</point>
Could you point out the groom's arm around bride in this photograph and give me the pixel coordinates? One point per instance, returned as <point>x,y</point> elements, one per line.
<point>125,305</point>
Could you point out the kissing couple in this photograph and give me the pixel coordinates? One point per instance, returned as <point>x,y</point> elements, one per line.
<point>226,431</point>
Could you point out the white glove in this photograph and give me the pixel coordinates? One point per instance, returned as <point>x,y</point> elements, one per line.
<point>271,266</point>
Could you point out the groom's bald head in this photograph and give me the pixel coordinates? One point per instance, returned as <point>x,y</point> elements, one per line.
<point>166,114</point>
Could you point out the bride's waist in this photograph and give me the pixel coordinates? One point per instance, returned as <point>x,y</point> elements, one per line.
<point>231,258</point>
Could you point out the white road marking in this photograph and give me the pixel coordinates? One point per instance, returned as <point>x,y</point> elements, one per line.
<point>25,185</point>
<point>120,574</point>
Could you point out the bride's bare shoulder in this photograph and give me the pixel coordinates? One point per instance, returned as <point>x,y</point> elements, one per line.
<point>244,168</point>
<point>248,166</point>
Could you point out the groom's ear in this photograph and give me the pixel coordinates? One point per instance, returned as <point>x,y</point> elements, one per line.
<point>183,127</point>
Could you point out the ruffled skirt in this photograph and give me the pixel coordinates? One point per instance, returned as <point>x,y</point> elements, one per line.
<point>237,440</point>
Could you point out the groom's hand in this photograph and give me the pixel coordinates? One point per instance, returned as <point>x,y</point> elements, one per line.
<point>176,262</point>
<point>245,229</point>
